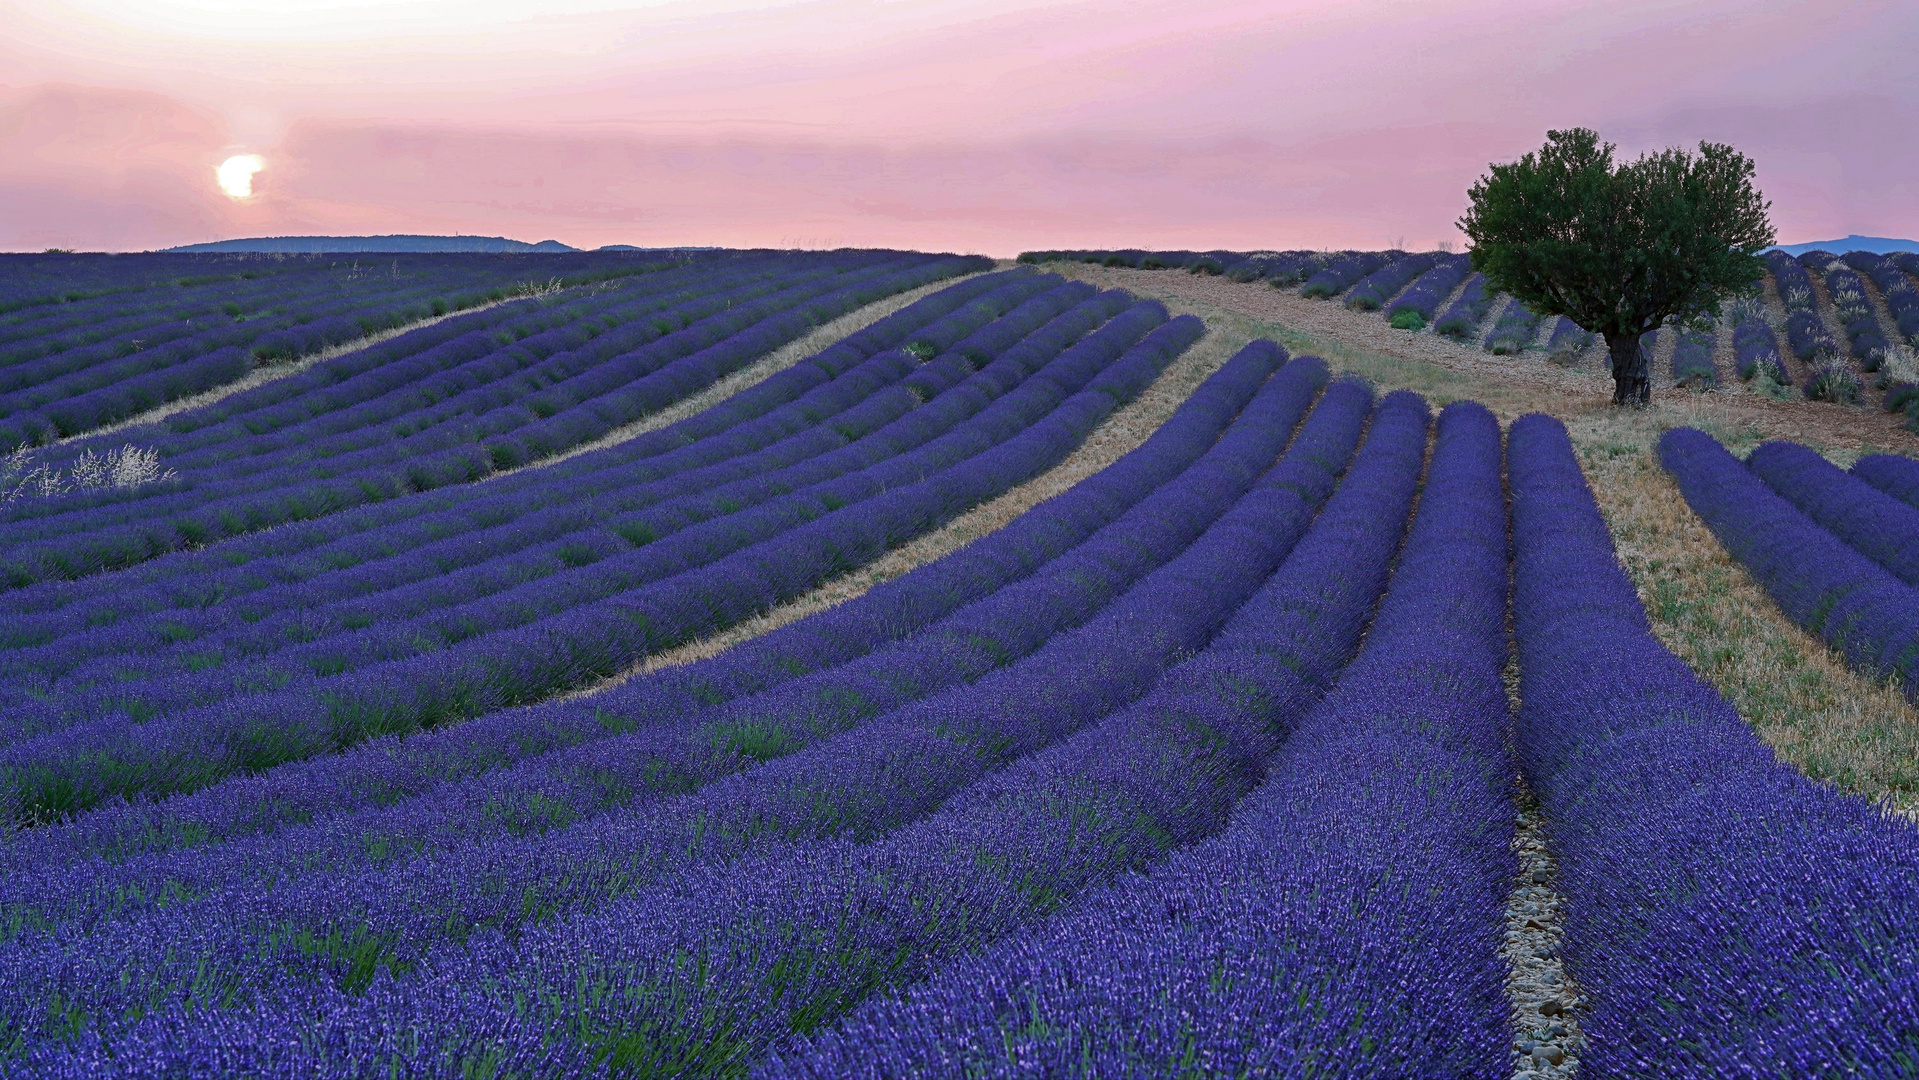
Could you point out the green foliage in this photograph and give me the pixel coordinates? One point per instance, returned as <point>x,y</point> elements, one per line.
<point>1619,249</point>
<point>1408,319</point>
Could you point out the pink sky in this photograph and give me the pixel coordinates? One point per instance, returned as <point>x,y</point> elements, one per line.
<point>977,125</point>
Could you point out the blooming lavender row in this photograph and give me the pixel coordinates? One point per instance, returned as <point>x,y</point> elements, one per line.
<point>48,393</point>
<point>1806,333</point>
<point>1792,281</point>
<point>1873,522</point>
<point>178,436</point>
<point>1692,358</point>
<point>1279,268</point>
<point>1902,300</point>
<point>1462,317</point>
<point>1756,351</point>
<point>321,417</point>
<point>1345,923</point>
<point>622,552</point>
<point>776,407</point>
<point>1380,286</point>
<point>1726,916</point>
<point>859,415</point>
<point>994,859</point>
<point>1863,332</point>
<point>665,753</point>
<point>1433,287</point>
<point>434,911</point>
<point>593,640</point>
<point>1344,270</point>
<point>680,729</point>
<point>376,385</point>
<point>1569,337</point>
<point>40,292</point>
<point>1895,475</point>
<point>1514,332</point>
<point>384,771</point>
<point>583,406</point>
<point>1852,603</point>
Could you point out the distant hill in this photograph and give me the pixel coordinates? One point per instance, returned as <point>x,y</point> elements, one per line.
<point>1878,244</point>
<point>305,245</point>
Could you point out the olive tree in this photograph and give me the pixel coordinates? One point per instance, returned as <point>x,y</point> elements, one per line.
<point>1619,249</point>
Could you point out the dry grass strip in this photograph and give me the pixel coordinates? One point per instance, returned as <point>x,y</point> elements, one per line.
<point>1799,696</point>
<point>260,376</point>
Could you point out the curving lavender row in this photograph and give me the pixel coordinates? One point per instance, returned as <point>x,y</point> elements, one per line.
<point>1756,350</point>
<point>1514,330</point>
<point>1895,475</point>
<point>1849,601</point>
<point>1347,920</point>
<point>57,384</point>
<point>418,931</point>
<point>1380,286</point>
<point>494,425</point>
<point>1425,295</point>
<point>384,770</point>
<point>1345,270</point>
<point>356,380</point>
<point>1902,299</point>
<point>862,420</point>
<point>967,412</point>
<point>1569,338</point>
<point>1692,362</point>
<point>771,409</point>
<point>643,742</point>
<point>1462,317</point>
<point>1726,916</point>
<point>1876,525</point>
<point>44,776</point>
<point>1863,332</point>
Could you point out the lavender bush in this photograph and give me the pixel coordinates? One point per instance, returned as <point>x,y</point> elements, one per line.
<point>1834,592</point>
<point>1726,916</point>
<point>1462,317</point>
<point>1346,920</point>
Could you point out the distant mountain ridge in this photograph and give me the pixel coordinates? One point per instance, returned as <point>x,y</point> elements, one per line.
<point>1879,245</point>
<point>309,245</point>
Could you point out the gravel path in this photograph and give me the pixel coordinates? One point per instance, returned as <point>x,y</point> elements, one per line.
<point>1545,1001</point>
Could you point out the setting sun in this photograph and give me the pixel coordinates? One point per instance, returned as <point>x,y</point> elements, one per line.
<point>236,174</point>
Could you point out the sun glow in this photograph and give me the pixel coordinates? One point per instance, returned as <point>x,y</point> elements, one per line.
<point>236,174</point>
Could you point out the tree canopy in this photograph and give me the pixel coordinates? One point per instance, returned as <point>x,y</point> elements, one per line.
<point>1619,249</point>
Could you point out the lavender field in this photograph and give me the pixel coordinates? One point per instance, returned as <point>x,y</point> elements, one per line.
<point>1323,732</point>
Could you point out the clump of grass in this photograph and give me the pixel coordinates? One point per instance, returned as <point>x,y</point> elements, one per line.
<point>1408,319</point>
<point>1834,380</point>
<point>129,466</point>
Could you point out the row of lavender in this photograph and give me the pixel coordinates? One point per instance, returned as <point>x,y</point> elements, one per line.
<point>1410,289</point>
<point>1838,551</point>
<point>1123,813</point>
<point>448,404</point>
<point>413,642</point>
<point>155,331</point>
<point>814,775</point>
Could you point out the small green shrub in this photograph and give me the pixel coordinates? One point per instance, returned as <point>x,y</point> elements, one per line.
<point>1408,319</point>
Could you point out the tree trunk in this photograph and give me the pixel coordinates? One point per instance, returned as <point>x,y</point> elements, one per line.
<point>1631,370</point>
